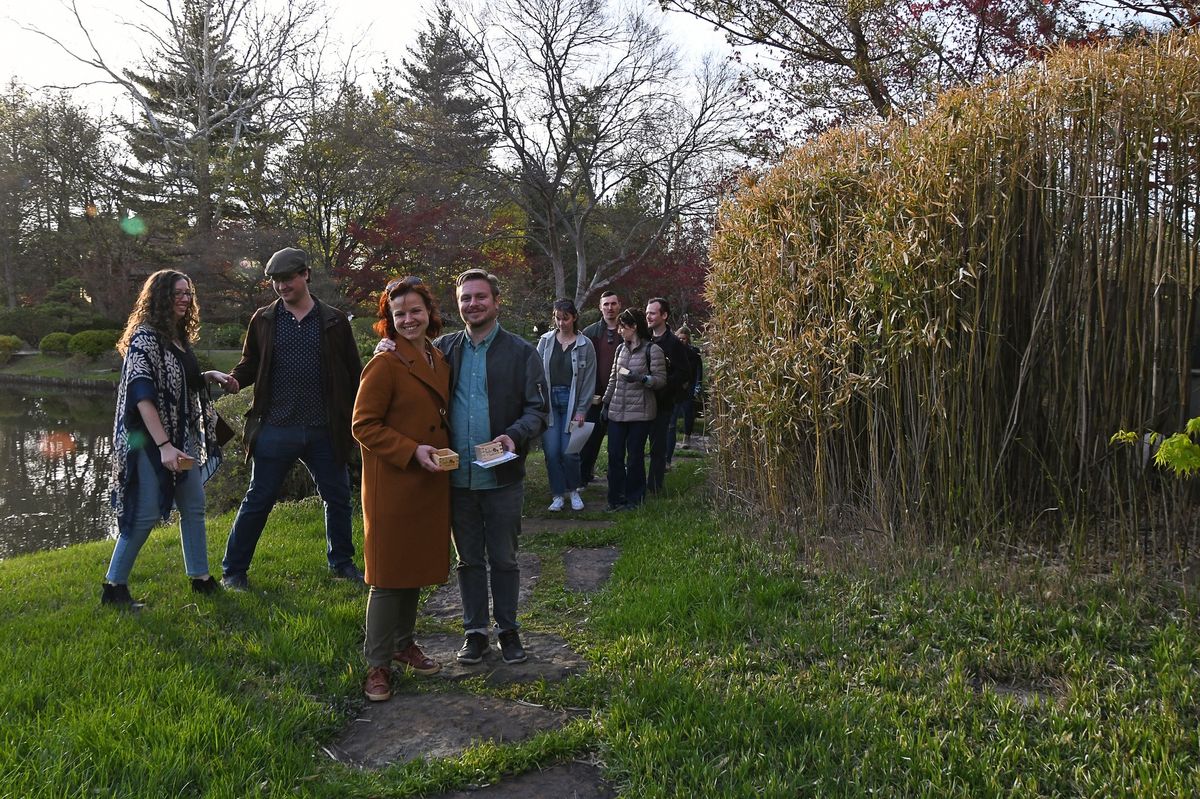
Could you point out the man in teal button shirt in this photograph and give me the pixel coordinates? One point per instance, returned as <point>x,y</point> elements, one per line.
<point>498,395</point>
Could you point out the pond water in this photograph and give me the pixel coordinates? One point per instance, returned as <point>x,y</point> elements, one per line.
<point>55,461</point>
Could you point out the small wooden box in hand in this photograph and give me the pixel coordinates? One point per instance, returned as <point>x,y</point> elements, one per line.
<point>447,459</point>
<point>489,451</point>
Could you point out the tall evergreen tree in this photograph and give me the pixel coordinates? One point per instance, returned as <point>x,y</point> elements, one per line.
<point>196,121</point>
<point>442,120</point>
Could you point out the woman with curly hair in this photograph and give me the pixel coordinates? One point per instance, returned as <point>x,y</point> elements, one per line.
<point>399,420</point>
<point>164,435</point>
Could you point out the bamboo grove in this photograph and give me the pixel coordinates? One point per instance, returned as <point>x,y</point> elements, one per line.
<point>939,325</point>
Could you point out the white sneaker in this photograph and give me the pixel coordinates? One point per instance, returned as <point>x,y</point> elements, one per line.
<point>576,501</point>
<point>556,504</point>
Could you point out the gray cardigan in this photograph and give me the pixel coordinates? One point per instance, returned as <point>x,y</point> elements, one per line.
<point>583,371</point>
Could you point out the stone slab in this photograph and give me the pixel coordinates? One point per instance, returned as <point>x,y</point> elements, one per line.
<point>445,603</point>
<point>588,569</point>
<point>435,725</point>
<point>549,658</point>
<point>566,781</point>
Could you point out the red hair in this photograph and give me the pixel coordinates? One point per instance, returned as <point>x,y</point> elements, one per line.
<point>386,327</point>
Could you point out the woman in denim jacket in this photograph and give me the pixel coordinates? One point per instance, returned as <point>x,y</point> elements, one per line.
<point>569,360</point>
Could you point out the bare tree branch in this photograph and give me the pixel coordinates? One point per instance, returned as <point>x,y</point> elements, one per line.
<point>601,135</point>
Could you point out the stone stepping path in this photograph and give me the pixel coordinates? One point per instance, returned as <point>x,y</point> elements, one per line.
<point>565,781</point>
<point>440,723</point>
<point>432,725</point>
<point>550,659</point>
<point>589,569</point>
<point>445,603</point>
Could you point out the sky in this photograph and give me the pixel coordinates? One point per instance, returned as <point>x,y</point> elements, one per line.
<point>385,28</point>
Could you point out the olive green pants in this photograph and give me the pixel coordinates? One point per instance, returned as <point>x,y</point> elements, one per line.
<point>391,617</point>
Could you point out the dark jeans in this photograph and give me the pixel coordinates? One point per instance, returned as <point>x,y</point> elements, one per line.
<point>627,462</point>
<point>591,449</point>
<point>486,525</point>
<point>687,412</point>
<point>275,450</point>
<point>661,433</point>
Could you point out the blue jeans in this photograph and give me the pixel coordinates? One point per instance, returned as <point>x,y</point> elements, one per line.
<point>189,499</point>
<point>660,432</point>
<point>562,469</point>
<point>275,451</point>
<point>486,525</point>
<point>627,462</point>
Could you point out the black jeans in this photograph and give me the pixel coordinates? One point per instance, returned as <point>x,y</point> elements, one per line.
<point>661,434</point>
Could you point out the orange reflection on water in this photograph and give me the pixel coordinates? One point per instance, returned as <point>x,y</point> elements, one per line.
<point>57,444</point>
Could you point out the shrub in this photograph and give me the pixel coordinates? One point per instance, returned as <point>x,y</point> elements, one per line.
<point>28,324</point>
<point>8,345</point>
<point>228,485</point>
<point>364,336</point>
<point>227,336</point>
<point>55,343</point>
<point>93,343</point>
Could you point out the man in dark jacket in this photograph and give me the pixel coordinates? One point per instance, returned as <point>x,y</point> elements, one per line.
<point>679,380</point>
<point>497,395</point>
<point>301,358</point>
<point>605,340</point>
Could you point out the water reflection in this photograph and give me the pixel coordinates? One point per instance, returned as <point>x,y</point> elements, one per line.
<point>55,460</point>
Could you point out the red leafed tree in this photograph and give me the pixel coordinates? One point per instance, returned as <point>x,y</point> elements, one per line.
<point>676,270</point>
<point>432,240</point>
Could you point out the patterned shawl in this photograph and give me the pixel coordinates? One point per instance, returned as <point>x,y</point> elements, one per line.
<point>188,417</point>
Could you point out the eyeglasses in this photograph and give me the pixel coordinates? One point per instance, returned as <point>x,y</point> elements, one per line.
<point>183,294</point>
<point>402,281</point>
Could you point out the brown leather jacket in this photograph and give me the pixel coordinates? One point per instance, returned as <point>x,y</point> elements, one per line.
<point>340,367</point>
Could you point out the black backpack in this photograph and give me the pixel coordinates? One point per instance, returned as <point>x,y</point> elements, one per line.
<point>662,396</point>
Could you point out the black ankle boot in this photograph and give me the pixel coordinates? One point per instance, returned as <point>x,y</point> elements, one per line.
<point>205,585</point>
<point>117,595</point>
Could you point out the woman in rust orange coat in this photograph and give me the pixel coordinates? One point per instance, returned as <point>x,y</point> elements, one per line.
<point>400,420</point>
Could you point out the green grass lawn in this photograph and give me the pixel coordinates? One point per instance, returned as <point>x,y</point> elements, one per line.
<point>719,669</point>
<point>62,366</point>
<point>108,369</point>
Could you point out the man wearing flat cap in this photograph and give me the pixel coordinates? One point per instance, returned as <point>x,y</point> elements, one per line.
<point>301,358</point>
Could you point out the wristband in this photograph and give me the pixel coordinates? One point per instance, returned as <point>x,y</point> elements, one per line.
<point>160,446</point>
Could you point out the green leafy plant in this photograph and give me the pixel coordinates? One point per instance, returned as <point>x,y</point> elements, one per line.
<point>55,343</point>
<point>226,336</point>
<point>93,343</point>
<point>8,345</point>
<point>1178,452</point>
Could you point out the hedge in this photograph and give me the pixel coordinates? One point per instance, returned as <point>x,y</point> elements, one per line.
<point>55,343</point>
<point>93,343</point>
